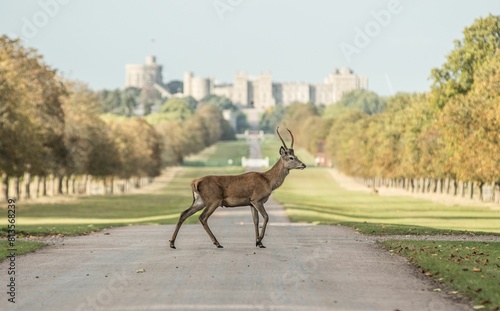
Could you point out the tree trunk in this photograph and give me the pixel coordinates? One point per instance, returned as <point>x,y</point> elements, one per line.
<point>60,184</point>
<point>51,184</point>
<point>5,186</point>
<point>471,190</point>
<point>73,184</point>
<point>112,189</point>
<point>27,181</point>
<point>44,190</point>
<point>493,192</point>
<point>66,183</point>
<point>496,191</point>
<point>85,182</point>
<point>17,187</point>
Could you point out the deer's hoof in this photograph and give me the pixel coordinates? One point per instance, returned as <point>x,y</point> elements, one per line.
<point>220,246</point>
<point>172,245</point>
<point>260,245</point>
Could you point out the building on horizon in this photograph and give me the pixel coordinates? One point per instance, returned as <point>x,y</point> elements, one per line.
<point>261,93</point>
<point>144,75</point>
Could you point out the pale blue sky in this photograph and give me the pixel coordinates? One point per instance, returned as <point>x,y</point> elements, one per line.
<point>92,40</point>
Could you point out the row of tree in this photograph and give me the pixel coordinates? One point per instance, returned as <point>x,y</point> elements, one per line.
<point>446,140</point>
<point>133,101</point>
<point>53,129</point>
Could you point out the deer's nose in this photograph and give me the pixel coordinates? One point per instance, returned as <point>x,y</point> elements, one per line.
<point>303,166</point>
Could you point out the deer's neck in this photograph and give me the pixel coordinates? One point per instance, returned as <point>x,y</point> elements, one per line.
<point>277,174</point>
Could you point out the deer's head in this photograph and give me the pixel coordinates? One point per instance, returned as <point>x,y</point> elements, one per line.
<point>290,160</point>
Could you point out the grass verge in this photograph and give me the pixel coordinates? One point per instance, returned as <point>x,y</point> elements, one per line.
<point>470,268</point>
<point>22,247</point>
<point>312,195</point>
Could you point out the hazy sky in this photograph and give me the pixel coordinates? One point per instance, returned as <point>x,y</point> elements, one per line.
<point>394,43</point>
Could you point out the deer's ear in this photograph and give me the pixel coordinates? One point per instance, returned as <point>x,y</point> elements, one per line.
<point>282,151</point>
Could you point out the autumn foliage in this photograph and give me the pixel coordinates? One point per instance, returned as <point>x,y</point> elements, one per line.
<point>53,129</point>
<point>446,140</point>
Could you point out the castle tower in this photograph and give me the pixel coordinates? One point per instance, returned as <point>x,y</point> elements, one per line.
<point>188,78</point>
<point>144,75</point>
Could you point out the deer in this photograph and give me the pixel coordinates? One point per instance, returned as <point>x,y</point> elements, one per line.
<point>249,189</point>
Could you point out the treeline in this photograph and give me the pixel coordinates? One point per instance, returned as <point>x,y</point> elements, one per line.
<point>55,140</point>
<point>446,140</point>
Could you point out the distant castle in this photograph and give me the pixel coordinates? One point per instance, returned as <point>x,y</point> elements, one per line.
<point>258,92</point>
<point>261,92</point>
<point>146,76</point>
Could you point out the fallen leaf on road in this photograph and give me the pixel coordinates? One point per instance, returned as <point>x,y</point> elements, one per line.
<point>476,269</point>
<point>140,271</point>
<point>478,307</point>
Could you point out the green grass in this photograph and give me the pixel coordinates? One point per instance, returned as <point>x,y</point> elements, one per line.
<point>220,154</point>
<point>89,214</point>
<point>312,195</point>
<point>22,247</point>
<point>471,268</point>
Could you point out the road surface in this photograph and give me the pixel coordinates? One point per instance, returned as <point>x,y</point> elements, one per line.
<point>304,267</point>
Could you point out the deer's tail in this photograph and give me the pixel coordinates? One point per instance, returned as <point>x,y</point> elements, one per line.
<point>196,192</point>
<point>195,184</point>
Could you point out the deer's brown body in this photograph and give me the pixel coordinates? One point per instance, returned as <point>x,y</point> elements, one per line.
<point>250,189</point>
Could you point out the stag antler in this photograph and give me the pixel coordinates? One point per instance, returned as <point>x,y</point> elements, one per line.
<point>284,145</point>
<point>277,131</point>
<point>292,137</point>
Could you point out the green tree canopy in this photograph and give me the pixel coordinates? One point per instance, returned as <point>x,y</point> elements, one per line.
<point>367,101</point>
<point>456,76</point>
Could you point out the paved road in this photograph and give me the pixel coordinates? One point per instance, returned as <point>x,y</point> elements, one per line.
<point>303,268</point>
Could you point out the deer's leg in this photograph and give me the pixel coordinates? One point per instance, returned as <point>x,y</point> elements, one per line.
<point>197,205</point>
<point>259,206</point>
<point>204,221</point>
<point>255,215</point>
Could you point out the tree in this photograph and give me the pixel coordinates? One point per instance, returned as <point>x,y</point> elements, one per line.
<point>138,147</point>
<point>121,102</point>
<point>174,141</point>
<point>211,119</point>
<point>82,126</point>
<point>31,116</point>
<point>148,98</point>
<point>367,101</point>
<point>271,118</point>
<point>471,125</point>
<point>179,108</point>
<point>241,122</point>
<point>220,102</point>
<point>175,86</point>
<point>456,76</point>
